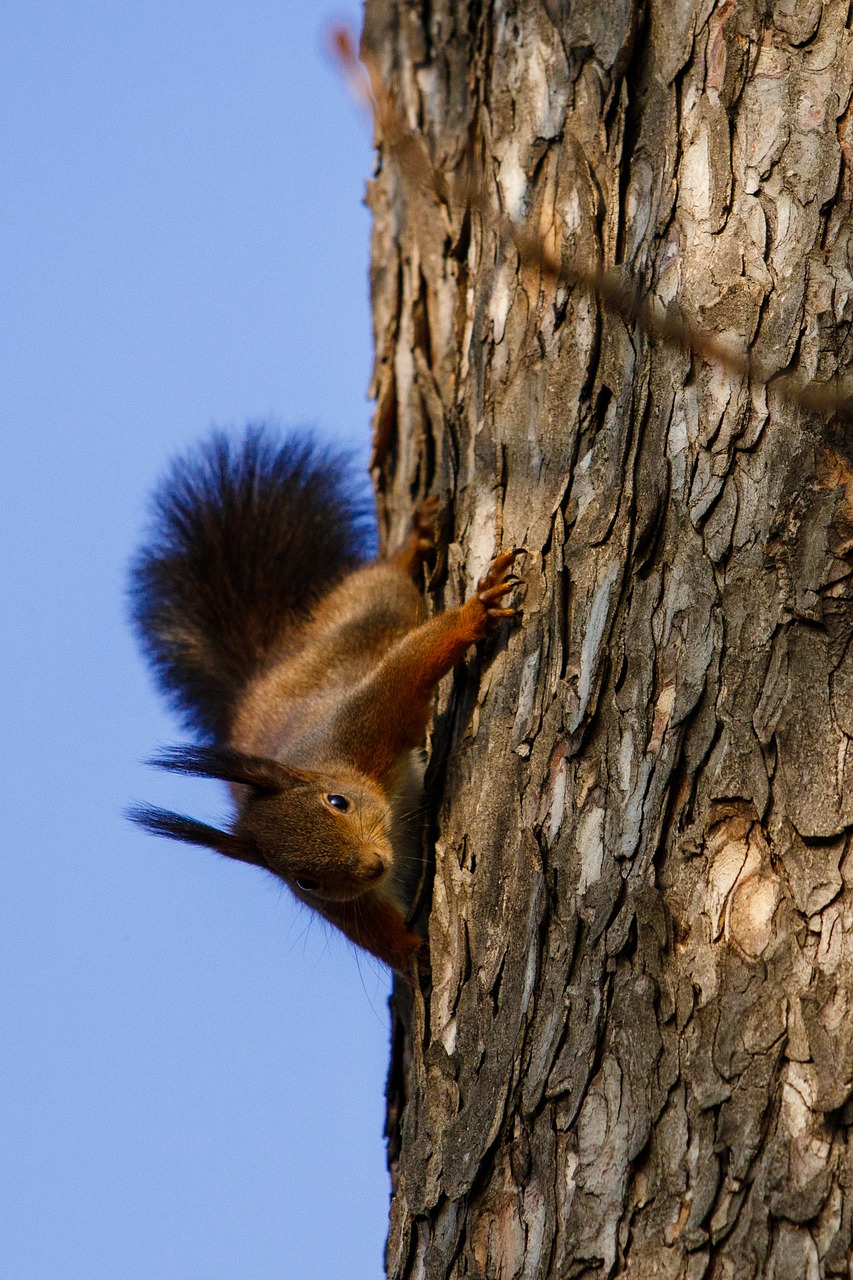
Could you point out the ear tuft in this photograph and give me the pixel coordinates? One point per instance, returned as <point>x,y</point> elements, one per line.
<point>229,766</point>
<point>175,826</point>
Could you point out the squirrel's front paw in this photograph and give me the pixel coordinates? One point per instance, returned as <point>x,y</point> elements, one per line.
<point>423,524</point>
<point>420,544</point>
<point>498,581</point>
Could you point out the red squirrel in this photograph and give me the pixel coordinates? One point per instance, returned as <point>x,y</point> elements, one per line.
<point>306,673</point>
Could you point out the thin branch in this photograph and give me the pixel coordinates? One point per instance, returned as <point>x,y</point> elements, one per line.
<point>617,292</point>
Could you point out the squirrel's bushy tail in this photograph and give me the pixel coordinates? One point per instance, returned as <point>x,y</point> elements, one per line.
<point>247,537</point>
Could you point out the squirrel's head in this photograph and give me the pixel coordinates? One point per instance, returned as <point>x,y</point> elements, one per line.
<point>326,834</point>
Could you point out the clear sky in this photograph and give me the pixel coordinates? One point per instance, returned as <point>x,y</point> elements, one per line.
<point>191,1068</point>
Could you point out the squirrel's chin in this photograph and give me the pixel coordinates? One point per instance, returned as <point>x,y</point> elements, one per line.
<point>343,892</point>
<point>361,889</point>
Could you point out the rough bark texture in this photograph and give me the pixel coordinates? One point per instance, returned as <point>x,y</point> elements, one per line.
<point>636,1057</point>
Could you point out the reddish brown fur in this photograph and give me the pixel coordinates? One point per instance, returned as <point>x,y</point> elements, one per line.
<point>321,749</point>
<point>358,690</point>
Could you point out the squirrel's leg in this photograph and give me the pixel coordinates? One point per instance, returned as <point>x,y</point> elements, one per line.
<point>420,543</point>
<point>388,714</point>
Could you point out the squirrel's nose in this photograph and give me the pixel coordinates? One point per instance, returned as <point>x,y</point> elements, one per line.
<point>372,867</point>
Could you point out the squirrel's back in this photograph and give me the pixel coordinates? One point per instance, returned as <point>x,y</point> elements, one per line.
<point>247,537</point>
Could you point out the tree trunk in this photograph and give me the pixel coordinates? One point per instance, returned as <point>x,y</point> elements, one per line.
<point>636,1054</point>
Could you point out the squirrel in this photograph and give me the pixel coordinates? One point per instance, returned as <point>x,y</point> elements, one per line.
<point>305,671</point>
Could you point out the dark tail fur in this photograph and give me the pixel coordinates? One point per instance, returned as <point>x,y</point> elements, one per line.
<point>247,537</point>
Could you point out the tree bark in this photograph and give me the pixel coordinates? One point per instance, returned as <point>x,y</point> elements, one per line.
<point>635,1057</point>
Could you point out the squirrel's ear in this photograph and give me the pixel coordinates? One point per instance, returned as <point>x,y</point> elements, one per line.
<point>229,766</point>
<point>162,822</point>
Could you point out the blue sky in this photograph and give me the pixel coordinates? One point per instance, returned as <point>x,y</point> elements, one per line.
<point>192,1069</point>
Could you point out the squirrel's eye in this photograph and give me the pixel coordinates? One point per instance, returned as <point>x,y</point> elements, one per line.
<point>338,802</point>
<point>307,886</point>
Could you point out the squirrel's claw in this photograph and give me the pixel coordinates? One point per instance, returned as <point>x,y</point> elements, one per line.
<point>420,544</point>
<point>497,592</point>
<point>498,579</point>
<point>423,521</point>
<point>497,582</point>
